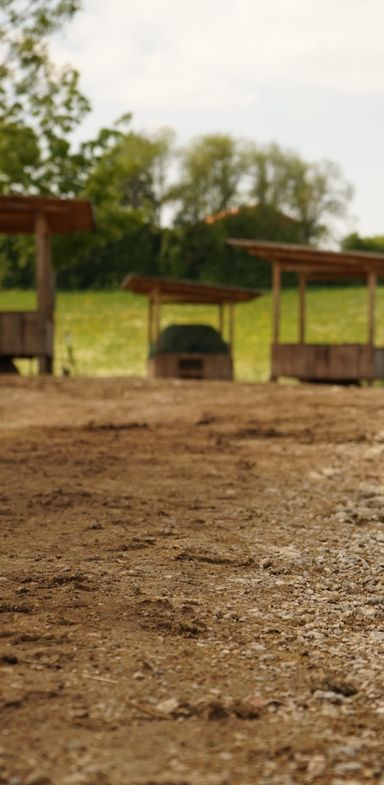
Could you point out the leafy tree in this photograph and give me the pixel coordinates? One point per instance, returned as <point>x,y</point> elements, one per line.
<point>199,251</point>
<point>103,265</point>
<point>130,175</point>
<point>354,242</point>
<point>211,170</point>
<point>314,194</point>
<point>218,172</point>
<point>40,104</point>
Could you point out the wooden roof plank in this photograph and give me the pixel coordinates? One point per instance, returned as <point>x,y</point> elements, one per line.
<point>358,261</point>
<point>18,214</point>
<point>187,292</point>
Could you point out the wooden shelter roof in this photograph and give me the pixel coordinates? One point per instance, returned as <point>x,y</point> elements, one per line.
<point>18,214</point>
<point>174,291</point>
<point>314,262</point>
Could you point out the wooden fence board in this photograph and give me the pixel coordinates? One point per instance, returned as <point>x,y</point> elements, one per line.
<point>325,362</point>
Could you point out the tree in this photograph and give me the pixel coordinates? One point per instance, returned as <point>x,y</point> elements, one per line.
<point>211,170</point>
<point>314,194</point>
<point>354,242</point>
<point>40,104</point>
<point>199,251</point>
<point>130,175</point>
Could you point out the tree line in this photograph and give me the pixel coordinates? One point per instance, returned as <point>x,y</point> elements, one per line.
<point>160,208</point>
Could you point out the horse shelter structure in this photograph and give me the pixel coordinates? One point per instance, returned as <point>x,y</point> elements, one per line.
<point>29,334</point>
<point>193,351</point>
<point>343,363</point>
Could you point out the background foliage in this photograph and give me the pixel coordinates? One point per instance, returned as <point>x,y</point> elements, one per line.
<point>160,209</point>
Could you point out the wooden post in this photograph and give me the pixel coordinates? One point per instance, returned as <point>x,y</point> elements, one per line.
<point>221,320</point>
<point>45,289</point>
<point>276,301</point>
<point>372,280</point>
<point>231,308</point>
<point>150,323</point>
<point>302,292</point>
<point>157,305</point>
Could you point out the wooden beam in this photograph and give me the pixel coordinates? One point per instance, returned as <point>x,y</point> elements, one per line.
<point>231,310</point>
<point>372,280</point>
<point>157,315</point>
<point>44,272</point>
<point>302,293</point>
<point>150,324</point>
<point>45,289</point>
<point>276,301</point>
<point>221,320</point>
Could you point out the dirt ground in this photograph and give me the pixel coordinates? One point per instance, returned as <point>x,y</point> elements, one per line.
<point>191,583</point>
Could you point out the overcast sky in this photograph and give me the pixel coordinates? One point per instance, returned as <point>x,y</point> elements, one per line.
<point>308,74</point>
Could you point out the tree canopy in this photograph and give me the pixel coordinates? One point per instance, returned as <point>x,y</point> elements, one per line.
<point>40,104</point>
<point>354,242</point>
<point>213,187</point>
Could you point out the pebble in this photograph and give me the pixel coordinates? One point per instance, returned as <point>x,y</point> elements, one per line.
<point>316,766</point>
<point>347,768</point>
<point>329,695</point>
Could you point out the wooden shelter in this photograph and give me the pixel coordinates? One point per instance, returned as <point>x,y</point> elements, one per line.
<point>321,362</point>
<point>30,333</point>
<point>189,364</point>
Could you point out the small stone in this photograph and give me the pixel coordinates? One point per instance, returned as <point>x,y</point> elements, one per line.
<point>329,471</point>
<point>138,675</point>
<point>266,562</point>
<point>328,695</point>
<point>376,600</point>
<point>168,706</point>
<point>316,766</point>
<point>376,636</point>
<point>347,768</point>
<point>368,612</point>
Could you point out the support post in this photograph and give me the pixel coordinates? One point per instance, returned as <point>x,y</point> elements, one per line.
<point>276,301</point>
<point>302,313</point>
<point>157,306</point>
<point>231,308</point>
<point>150,323</point>
<point>372,280</point>
<point>45,290</point>
<point>221,320</point>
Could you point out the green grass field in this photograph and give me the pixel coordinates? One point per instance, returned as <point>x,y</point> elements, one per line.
<point>108,330</point>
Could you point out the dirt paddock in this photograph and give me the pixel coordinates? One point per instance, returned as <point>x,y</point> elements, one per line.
<point>191,583</point>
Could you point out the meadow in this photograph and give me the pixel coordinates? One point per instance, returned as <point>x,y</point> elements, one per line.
<point>105,333</point>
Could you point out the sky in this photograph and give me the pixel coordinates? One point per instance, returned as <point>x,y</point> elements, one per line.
<point>307,74</point>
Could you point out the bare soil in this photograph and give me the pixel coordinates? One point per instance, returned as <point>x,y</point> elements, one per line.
<point>191,583</point>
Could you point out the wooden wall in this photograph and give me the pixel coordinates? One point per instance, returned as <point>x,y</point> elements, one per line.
<point>190,366</point>
<point>25,334</point>
<point>324,362</point>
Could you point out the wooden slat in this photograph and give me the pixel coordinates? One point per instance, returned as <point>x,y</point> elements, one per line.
<point>18,214</point>
<point>324,362</point>
<point>173,290</point>
<point>24,334</point>
<point>191,365</point>
<point>287,251</point>
<point>11,334</point>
